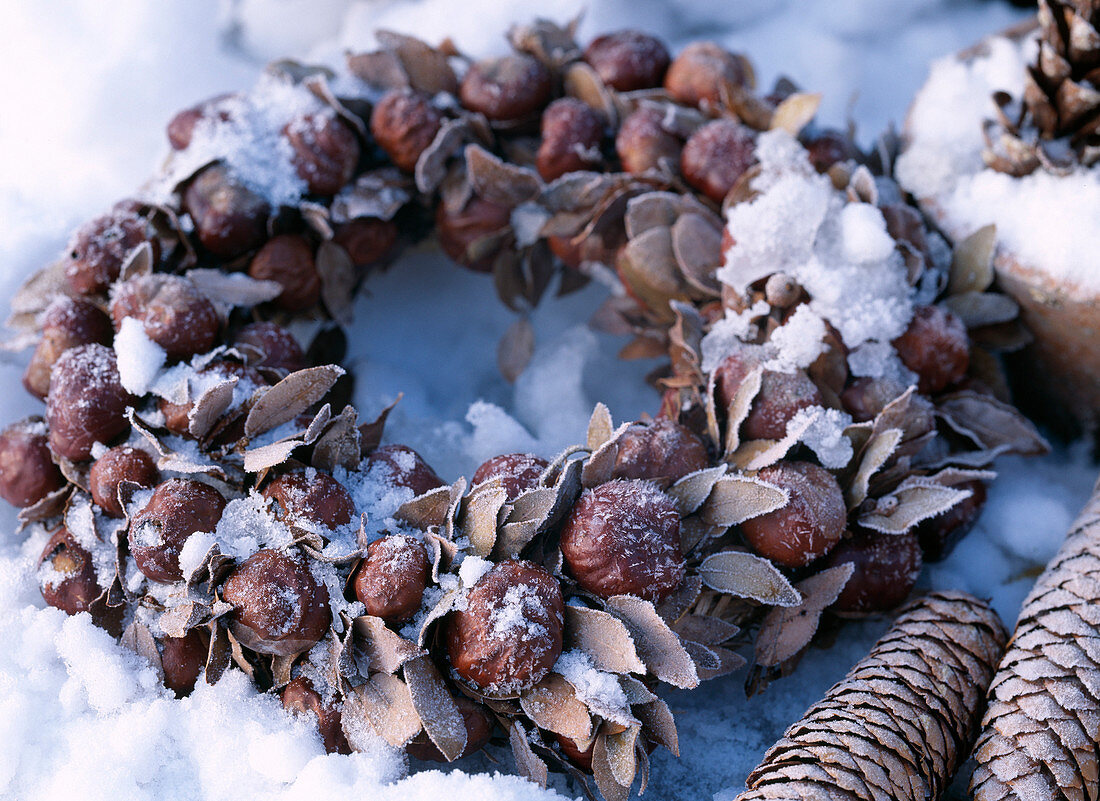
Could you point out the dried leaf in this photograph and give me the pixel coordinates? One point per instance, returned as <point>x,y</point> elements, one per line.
<point>786,631</point>
<point>427,69</point>
<point>693,489</point>
<point>604,638</point>
<point>386,704</point>
<point>256,460</point>
<point>385,650</point>
<point>991,423</point>
<point>211,405</point>
<point>914,500</point>
<point>138,638</point>
<point>748,576</point>
<point>139,261</point>
<point>657,644</point>
<point>515,349</point>
<point>233,289</point>
<point>704,629</point>
<point>604,774</point>
<point>290,397</point>
<point>600,466</point>
<point>479,519</point>
<point>528,763</point>
<point>878,451</point>
<point>761,453</point>
<point>739,407</point>
<point>795,112</point>
<point>600,427</point>
<point>977,309</point>
<point>697,245</point>
<point>339,446</point>
<point>553,705</point>
<point>972,264</point>
<point>436,708</point>
<point>735,499</point>
<point>370,434</point>
<point>431,167</point>
<point>337,274</point>
<point>498,181</point>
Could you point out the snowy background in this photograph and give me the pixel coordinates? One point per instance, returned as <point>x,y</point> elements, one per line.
<point>87,89</point>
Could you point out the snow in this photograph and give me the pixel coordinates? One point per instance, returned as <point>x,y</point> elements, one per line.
<point>80,715</point>
<point>139,357</point>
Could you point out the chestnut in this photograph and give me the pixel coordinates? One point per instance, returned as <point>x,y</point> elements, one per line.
<point>288,260</point>
<point>121,463</point>
<point>579,758</point>
<point>178,508</point>
<point>67,323</point>
<point>368,241</point>
<point>229,218</point>
<point>479,727</point>
<point>300,698</point>
<point>886,567</point>
<point>27,470</point>
<point>183,660</point>
<point>311,498</point>
<point>662,449</point>
<point>171,309</point>
<point>518,472</point>
<point>507,88</point>
<point>325,150</point>
<point>865,397</point>
<point>623,538</point>
<point>278,348</point>
<point>571,136</point>
<point>811,523</point>
<point>716,155</point>
<point>181,128</point>
<point>936,347</point>
<point>87,402</point>
<point>177,416</point>
<point>99,248</point>
<point>940,534</point>
<point>67,576</point>
<point>829,147</point>
<point>628,60</point>
<point>643,142</point>
<point>459,231</point>
<point>401,466</point>
<point>510,633</point>
<point>279,607</point>
<point>391,579</point>
<point>781,395</point>
<point>703,73</point>
<point>404,123</point>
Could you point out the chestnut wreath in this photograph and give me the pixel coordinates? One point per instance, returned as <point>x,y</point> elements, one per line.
<point>652,553</point>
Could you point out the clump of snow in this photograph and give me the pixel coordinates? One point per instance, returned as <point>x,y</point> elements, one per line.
<point>472,569</point>
<point>139,357</point>
<point>825,434</point>
<point>600,690</point>
<point>796,343</point>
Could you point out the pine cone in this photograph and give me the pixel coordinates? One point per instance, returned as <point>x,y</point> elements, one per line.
<point>901,721</point>
<point>1041,733</point>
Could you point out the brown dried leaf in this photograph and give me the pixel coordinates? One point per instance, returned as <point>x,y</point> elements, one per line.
<point>704,629</point>
<point>386,651</point>
<point>739,408</point>
<point>498,181</point>
<point>427,68</point>
<point>370,434</point>
<point>49,506</point>
<point>479,518</point>
<point>233,289</point>
<point>436,708</point>
<point>528,762</point>
<point>515,349</point>
<point>784,632</point>
<point>339,445</point>
<point>600,466</point>
<point>38,291</point>
<point>977,309</point>
<point>604,638</point>
<point>760,453</point>
<point>256,460</point>
<point>991,423</point>
<point>681,599</point>
<point>877,452</point>
<point>795,112</point>
<point>735,499</point>
<point>211,405</point>
<point>697,245</point>
<point>693,489</point>
<point>431,167</point>
<point>604,774</point>
<point>748,576</point>
<point>914,500</point>
<point>582,82</point>
<point>972,265</point>
<point>290,397</point>
<point>337,274</point>
<point>600,427</point>
<point>553,705</point>
<point>657,644</point>
<point>384,702</point>
<point>138,638</point>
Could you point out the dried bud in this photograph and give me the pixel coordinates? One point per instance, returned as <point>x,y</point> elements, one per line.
<point>518,472</point>
<point>171,309</point>
<point>403,124</point>
<point>479,727</point>
<point>67,576</point>
<point>628,60</point>
<point>643,142</point>
<point>181,128</point>
<point>935,346</point>
<point>781,395</point>
<point>300,698</point>
<point>507,88</point>
<point>177,416</point>
<point>27,471</point>
<point>177,509</point>
<point>99,247</point>
<point>326,151</point>
<point>510,633</point>
<point>571,136</point>
<point>279,608</point>
<point>940,534</point>
<point>659,450</point>
<point>87,403</point>
<point>401,466</point>
<point>288,260</point>
<point>811,523</point>
<point>229,219</point>
<point>717,155</point>
<point>311,500</point>
<point>119,464</point>
<point>367,240</point>
<point>886,570</point>
<point>391,579</point>
<point>183,660</point>
<point>623,538</point>
<point>67,323</point>
<point>463,234</point>
<point>278,348</point>
<point>705,72</point>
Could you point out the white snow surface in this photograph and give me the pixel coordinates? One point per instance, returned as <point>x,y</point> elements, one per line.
<point>94,84</point>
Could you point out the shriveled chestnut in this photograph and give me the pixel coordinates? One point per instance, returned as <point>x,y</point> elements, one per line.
<point>829,147</point>
<point>367,240</point>
<point>301,698</point>
<point>98,248</point>
<point>229,218</point>
<point>181,128</point>
<point>178,508</point>
<point>461,232</point>
<point>121,463</point>
<point>279,607</point>
<point>391,579</point>
<point>183,660</point>
<point>507,88</point>
<point>628,60</point>
<point>716,155</point>
<point>571,136</point>
<point>581,759</point>
<point>67,323</point>
<point>326,150</point>
<point>279,349</point>
<point>886,570</point>
<point>781,395</point>
<point>659,449</point>
<point>401,466</point>
<point>518,472</point>
<point>510,633</point>
<point>87,403</point>
<point>811,523</point>
<point>27,471</point>
<point>939,535</point>
<point>936,347</point>
<point>311,498</point>
<point>177,416</point>
<point>171,309</point>
<point>704,73</point>
<point>643,142</point>
<point>288,260</point>
<point>404,123</point>
<point>67,578</point>
<point>479,728</point>
<point>623,538</point>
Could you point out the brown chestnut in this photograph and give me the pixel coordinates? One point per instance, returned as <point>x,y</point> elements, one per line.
<point>479,727</point>
<point>939,535</point>
<point>288,260</point>
<point>27,470</point>
<point>177,509</point>
<point>171,309</point>
<point>886,567</point>
<point>781,395</point>
<point>368,241</point>
<point>461,233</point>
<point>510,633</point>
<point>279,607</point>
<point>229,218</point>
<point>865,397</point>
<point>278,348</point>
<point>403,124</point>
<point>716,155</point>
<point>571,136</point>
<point>311,498</point>
<point>936,347</point>
<point>326,150</point>
<point>391,579</point>
<point>507,88</point>
<point>87,403</point>
<point>812,522</point>
<point>181,128</point>
<point>628,60</point>
<point>704,73</point>
<point>98,249</point>
<point>67,323</point>
<point>518,472</point>
<point>829,147</point>
<point>67,577</point>
<point>300,698</point>
<point>121,463</point>
<point>623,538</point>
<point>177,416</point>
<point>401,466</point>
<point>643,142</point>
<point>183,660</point>
<point>661,449</point>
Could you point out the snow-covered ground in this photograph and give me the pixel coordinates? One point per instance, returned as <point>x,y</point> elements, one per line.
<point>88,87</point>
